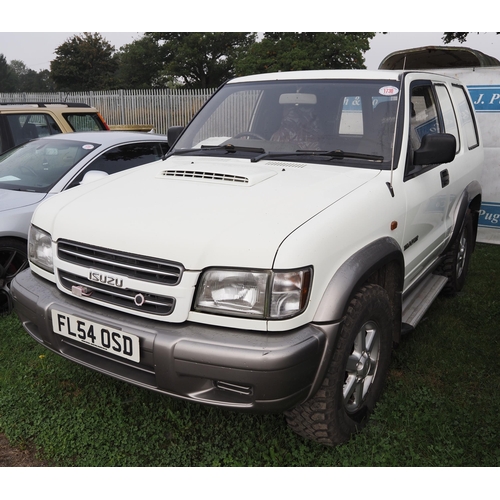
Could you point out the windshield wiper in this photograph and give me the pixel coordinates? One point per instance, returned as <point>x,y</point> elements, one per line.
<point>336,154</point>
<point>229,148</point>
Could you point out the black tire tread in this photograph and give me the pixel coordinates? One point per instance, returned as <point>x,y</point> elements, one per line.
<point>322,417</point>
<point>454,283</point>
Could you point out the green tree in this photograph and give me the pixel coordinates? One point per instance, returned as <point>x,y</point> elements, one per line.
<point>451,36</point>
<point>305,50</point>
<point>28,80</point>
<point>201,59</point>
<point>84,62</point>
<point>7,77</point>
<point>45,81</point>
<point>141,64</point>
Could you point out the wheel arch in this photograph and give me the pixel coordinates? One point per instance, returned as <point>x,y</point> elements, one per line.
<point>470,200</point>
<point>380,262</point>
<point>20,239</point>
<point>6,275</point>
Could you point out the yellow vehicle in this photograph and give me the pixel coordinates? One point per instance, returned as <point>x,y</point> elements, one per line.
<point>21,122</point>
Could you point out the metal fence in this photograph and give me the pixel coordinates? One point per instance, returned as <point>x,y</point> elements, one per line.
<point>158,108</point>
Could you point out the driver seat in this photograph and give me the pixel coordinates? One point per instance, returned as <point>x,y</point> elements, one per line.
<point>298,126</point>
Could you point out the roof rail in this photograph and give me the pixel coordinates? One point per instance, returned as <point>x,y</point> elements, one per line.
<point>45,104</point>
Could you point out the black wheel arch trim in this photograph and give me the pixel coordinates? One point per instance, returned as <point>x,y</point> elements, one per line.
<point>470,199</point>
<point>355,272</point>
<point>350,277</point>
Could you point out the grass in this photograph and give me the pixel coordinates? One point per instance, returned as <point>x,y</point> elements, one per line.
<point>441,405</point>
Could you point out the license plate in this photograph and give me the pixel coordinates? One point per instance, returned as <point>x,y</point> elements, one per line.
<point>117,342</point>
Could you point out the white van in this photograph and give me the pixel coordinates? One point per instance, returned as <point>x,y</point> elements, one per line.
<point>481,75</point>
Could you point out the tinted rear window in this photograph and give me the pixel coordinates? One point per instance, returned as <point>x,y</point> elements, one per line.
<point>84,122</point>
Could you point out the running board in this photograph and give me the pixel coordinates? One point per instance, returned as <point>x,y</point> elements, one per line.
<point>420,299</point>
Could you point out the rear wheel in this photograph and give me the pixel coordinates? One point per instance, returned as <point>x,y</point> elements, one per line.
<point>457,260</point>
<point>356,374</point>
<point>13,260</point>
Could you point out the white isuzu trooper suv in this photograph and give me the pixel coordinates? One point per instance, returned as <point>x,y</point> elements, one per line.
<point>298,226</point>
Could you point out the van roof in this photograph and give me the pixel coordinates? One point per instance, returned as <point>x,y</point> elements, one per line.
<point>433,57</point>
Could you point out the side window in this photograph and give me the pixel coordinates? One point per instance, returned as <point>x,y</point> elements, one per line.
<point>466,116</point>
<point>5,140</point>
<point>25,127</point>
<point>124,157</point>
<point>424,117</point>
<point>53,127</point>
<point>448,112</point>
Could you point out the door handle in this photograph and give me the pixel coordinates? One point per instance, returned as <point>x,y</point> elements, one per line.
<point>445,177</point>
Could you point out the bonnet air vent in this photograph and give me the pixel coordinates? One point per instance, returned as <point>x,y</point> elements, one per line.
<point>288,164</point>
<point>207,176</point>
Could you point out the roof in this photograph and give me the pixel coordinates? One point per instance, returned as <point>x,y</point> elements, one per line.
<point>107,137</point>
<point>432,57</point>
<point>46,104</point>
<point>362,74</point>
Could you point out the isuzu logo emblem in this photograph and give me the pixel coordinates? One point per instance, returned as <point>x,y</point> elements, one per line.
<point>106,279</point>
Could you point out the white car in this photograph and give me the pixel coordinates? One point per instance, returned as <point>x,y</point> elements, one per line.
<point>36,170</point>
<point>300,223</point>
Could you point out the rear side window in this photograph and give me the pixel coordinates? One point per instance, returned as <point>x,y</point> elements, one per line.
<point>84,122</point>
<point>466,116</point>
<point>448,112</point>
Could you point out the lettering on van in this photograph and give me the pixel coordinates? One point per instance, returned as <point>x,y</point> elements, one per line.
<point>489,215</point>
<point>485,98</point>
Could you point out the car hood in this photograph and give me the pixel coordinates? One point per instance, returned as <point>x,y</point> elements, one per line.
<point>9,200</point>
<point>200,211</point>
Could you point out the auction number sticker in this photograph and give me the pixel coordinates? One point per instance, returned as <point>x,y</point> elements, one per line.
<point>117,342</point>
<point>388,90</point>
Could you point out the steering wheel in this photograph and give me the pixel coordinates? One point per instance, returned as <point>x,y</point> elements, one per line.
<point>31,171</point>
<point>248,134</point>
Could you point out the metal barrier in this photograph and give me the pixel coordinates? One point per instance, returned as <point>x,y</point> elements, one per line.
<point>157,108</point>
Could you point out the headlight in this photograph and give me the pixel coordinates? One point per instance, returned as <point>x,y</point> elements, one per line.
<point>255,294</point>
<point>40,249</point>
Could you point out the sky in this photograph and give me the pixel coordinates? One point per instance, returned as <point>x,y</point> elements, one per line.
<point>37,49</point>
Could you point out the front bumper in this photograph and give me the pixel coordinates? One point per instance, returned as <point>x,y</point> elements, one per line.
<point>254,371</point>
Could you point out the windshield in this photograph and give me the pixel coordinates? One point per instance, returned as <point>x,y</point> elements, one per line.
<point>350,121</point>
<point>38,165</point>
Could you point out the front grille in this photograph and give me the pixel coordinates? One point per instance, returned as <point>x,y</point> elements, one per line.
<point>123,264</point>
<point>130,299</point>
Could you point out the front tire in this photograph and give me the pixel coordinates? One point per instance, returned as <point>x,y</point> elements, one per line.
<point>13,260</point>
<point>356,374</point>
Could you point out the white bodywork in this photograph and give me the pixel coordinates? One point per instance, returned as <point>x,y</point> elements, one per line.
<point>270,214</point>
<point>484,87</point>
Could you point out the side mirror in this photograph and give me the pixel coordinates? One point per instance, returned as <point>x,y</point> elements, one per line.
<point>435,149</point>
<point>93,175</point>
<point>173,134</point>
